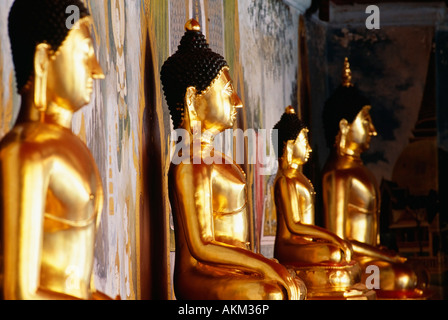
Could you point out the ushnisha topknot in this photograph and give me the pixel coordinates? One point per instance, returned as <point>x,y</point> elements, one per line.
<point>193,64</point>
<point>32,22</point>
<point>345,103</point>
<point>288,128</point>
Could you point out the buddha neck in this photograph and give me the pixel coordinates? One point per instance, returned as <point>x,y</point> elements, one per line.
<point>58,115</point>
<point>205,137</point>
<point>349,153</point>
<point>345,151</point>
<point>54,114</point>
<point>289,166</point>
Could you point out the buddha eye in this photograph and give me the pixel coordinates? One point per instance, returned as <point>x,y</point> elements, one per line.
<point>87,48</point>
<point>228,89</point>
<point>84,51</point>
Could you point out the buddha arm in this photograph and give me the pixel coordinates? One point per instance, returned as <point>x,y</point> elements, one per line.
<point>193,202</point>
<point>23,195</point>
<point>363,249</point>
<point>335,203</point>
<point>289,205</point>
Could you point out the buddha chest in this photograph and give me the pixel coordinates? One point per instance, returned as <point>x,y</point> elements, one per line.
<point>74,198</point>
<point>362,207</point>
<point>229,202</point>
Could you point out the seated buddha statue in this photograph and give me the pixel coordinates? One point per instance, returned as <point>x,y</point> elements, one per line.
<point>51,191</point>
<point>208,199</point>
<point>321,258</point>
<point>351,196</point>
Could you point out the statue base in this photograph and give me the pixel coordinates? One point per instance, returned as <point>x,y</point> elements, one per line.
<point>333,281</point>
<point>398,281</point>
<point>404,294</point>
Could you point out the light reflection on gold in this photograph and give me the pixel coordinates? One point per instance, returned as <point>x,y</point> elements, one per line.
<point>51,191</point>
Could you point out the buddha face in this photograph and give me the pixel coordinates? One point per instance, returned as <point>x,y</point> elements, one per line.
<point>358,134</point>
<point>299,150</point>
<point>72,69</point>
<point>216,108</point>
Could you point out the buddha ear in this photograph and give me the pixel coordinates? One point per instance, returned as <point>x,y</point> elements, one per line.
<point>289,145</point>
<point>343,126</point>
<point>41,62</point>
<point>190,96</point>
<point>343,129</point>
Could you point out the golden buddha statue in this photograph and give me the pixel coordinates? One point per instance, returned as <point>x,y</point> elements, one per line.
<point>51,191</point>
<point>351,195</point>
<point>321,258</point>
<point>208,198</point>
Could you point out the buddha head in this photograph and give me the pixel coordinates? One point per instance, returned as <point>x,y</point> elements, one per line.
<point>293,145</point>
<point>55,63</point>
<point>346,117</point>
<point>197,84</point>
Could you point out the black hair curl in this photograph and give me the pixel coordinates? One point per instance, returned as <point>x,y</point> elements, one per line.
<point>344,103</point>
<point>288,128</point>
<point>193,64</point>
<point>32,22</point>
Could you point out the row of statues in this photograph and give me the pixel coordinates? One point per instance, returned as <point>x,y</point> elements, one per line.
<point>52,196</point>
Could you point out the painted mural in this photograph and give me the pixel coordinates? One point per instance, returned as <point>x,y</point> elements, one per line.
<point>9,99</point>
<point>111,127</point>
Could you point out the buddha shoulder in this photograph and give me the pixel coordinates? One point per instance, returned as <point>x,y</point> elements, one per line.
<point>39,133</point>
<point>39,142</point>
<point>298,183</point>
<point>227,168</point>
<point>26,139</point>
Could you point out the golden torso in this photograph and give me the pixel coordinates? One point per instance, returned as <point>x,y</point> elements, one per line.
<point>300,192</point>
<point>356,193</point>
<point>351,200</point>
<point>298,241</point>
<point>72,198</point>
<point>230,220</point>
<point>218,217</point>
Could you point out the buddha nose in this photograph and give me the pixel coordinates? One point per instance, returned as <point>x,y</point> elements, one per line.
<point>373,130</point>
<point>97,71</point>
<point>236,101</point>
